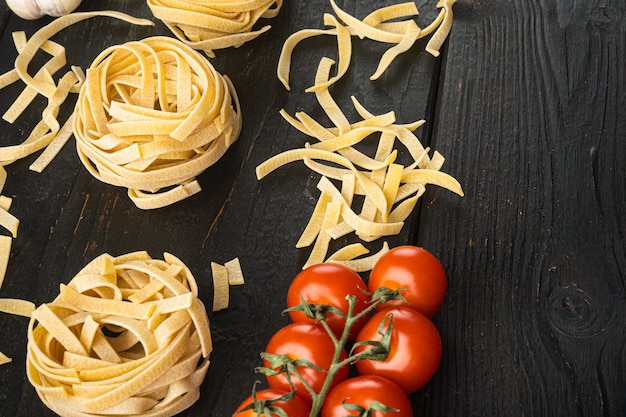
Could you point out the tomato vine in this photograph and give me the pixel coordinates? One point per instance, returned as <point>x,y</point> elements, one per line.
<point>376,350</point>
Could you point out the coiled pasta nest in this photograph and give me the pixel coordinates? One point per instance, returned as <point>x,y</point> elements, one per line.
<point>127,335</point>
<point>151,116</point>
<point>215,24</point>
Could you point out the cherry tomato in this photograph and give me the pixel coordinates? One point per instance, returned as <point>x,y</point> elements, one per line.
<point>329,284</point>
<point>417,271</point>
<point>295,407</point>
<point>364,390</point>
<point>305,341</point>
<point>415,348</point>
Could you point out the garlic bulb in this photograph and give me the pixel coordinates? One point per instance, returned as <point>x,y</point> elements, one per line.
<point>34,9</point>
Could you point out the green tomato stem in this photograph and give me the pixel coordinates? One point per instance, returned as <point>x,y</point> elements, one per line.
<point>340,344</point>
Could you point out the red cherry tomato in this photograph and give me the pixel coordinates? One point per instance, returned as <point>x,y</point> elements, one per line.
<point>417,271</point>
<point>415,348</point>
<point>295,407</point>
<point>306,341</point>
<point>329,284</point>
<point>364,390</point>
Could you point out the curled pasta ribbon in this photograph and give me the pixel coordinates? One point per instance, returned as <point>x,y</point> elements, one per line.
<point>393,24</point>
<point>151,116</point>
<point>126,336</point>
<point>214,24</point>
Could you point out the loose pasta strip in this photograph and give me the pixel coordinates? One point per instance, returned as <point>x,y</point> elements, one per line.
<point>211,25</point>
<point>220,286</point>
<point>151,116</point>
<point>320,247</point>
<point>235,273</point>
<point>16,307</point>
<point>284,61</point>
<point>351,256</point>
<point>84,357</point>
<point>5,252</point>
<point>405,32</point>
<point>443,30</point>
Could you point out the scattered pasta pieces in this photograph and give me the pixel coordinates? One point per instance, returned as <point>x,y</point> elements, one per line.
<point>215,24</point>
<point>393,24</point>
<point>9,222</point>
<point>223,277</point>
<point>387,191</point>
<point>127,335</point>
<point>151,116</point>
<point>49,134</point>
<point>364,188</point>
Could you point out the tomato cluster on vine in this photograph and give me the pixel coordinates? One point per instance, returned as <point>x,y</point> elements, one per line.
<point>354,348</point>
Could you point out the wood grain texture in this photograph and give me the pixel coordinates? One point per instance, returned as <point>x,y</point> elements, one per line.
<point>525,103</point>
<point>529,119</point>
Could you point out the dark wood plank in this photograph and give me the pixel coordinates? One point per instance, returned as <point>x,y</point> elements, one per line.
<point>524,103</point>
<point>529,118</point>
<point>67,217</point>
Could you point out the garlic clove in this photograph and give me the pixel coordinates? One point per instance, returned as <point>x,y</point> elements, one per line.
<point>26,9</point>
<point>34,9</point>
<point>57,7</point>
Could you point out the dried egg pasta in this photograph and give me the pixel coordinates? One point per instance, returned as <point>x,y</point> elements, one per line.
<point>390,190</point>
<point>5,252</point>
<point>151,116</point>
<point>235,273</point>
<point>16,307</point>
<point>223,277</point>
<point>13,306</point>
<point>49,134</point>
<point>49,131</point>
<point>214,24</point>
<point>221,294</point>
<point>126,336</point>
<point>352,257</point>
<point>8,222</point>
<point>391,24</point>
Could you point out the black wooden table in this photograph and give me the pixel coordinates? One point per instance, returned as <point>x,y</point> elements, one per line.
<point>525,102</point>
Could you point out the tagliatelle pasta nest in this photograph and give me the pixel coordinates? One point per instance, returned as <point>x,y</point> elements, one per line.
<point>126,336</point>
<point>214,24</point>
<point>151,116</point>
